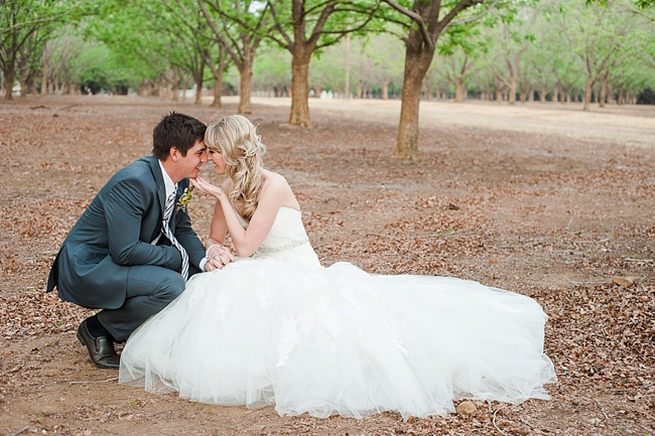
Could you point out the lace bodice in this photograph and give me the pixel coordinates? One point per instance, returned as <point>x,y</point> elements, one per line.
<point>287,239</point>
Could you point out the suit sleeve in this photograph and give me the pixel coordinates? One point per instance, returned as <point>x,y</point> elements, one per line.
<point>125,207</point>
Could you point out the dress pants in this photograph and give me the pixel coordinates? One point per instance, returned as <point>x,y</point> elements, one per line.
<point>149,289</point>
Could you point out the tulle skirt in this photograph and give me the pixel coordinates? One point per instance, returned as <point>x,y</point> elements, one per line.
<point>338,340</point>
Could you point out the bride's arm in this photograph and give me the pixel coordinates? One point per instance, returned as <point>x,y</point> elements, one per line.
<point>218,227</point>
<point>218,254</point>
<point>247,241</point>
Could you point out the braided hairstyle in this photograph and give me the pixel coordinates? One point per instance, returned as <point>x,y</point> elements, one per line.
<point>235,137</point>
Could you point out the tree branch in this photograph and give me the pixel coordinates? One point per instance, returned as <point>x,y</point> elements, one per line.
<point>39,22</point>
<point>219,36</point>
<point>342,33</point>
<point>459,7</point>
<point>477,17</point>
<point>288,44</point>
<point>418,19</point>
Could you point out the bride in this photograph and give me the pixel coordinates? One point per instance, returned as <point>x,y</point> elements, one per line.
<point>276,327</point>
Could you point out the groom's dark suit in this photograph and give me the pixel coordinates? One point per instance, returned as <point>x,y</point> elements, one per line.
<point>108,260</point>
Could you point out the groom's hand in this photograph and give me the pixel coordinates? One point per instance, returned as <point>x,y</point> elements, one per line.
<point>219,256</point>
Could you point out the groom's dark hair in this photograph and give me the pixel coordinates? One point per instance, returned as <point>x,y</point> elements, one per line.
<point>176,130</point>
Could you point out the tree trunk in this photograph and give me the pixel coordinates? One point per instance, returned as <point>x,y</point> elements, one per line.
<point>142,89</point>
<point>407,142</point>
<point>347,86</point>
<point>385,91</point>
<point>23,86</point>
<point>511,97</point>
<point>198,82</point>
<point>9,84</point>
<point>299,115</point>
<point>245,76</point>
<point>603,92</point>
<point>175,90</point>
<point>218,81</point>
<point>417,62</point>
<point>587,93</point>
<point>460,93</point>
<point>44,79</point>
<point>218,90</point>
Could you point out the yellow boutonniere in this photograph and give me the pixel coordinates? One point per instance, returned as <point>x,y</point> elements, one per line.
<point>185,198</point>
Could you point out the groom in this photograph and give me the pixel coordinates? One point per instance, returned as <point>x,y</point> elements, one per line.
<point>133,247</point>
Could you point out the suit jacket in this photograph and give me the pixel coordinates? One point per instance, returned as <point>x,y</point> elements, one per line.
<point>115,233</point>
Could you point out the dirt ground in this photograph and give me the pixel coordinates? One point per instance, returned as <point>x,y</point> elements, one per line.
<point>541,199</point>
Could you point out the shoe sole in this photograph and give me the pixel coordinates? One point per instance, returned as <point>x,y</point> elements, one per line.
<point>80,338</point>
<point>83,342</point>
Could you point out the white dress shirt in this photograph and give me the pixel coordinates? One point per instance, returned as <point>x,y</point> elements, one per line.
<point>172,187</point>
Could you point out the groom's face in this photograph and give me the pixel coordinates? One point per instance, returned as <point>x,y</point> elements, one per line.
<point>189,165</point>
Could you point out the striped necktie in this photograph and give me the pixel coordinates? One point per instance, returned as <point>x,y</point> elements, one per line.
<point>166,230</point>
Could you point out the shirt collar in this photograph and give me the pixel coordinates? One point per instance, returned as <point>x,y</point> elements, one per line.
<point>168,182</point>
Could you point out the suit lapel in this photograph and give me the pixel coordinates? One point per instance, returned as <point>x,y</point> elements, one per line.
<point>159,181</point>
<point>155,169</point>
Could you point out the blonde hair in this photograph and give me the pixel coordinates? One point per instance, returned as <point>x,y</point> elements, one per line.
<point>237,140</point>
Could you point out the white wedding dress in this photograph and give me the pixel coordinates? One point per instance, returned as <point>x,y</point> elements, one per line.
<point>279,328</point>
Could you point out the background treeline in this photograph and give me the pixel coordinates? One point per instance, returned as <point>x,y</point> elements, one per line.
<point>523,50</point>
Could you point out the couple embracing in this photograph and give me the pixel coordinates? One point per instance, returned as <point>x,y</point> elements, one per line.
<point>272,325</point>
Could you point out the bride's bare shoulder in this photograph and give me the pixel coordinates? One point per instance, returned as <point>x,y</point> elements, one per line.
<point>275,180</point>
<point>276,185</point>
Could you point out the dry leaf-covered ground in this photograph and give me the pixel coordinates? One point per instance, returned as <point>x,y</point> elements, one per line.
<point>544,200</point>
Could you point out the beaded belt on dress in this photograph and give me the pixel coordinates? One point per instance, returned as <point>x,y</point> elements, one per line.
<point>289,246</point>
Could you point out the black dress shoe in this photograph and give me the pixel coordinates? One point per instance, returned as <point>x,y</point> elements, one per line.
<point>101,349</point>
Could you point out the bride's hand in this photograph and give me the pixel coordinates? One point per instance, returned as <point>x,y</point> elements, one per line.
<point>208,188</point>
<point>219,255</point>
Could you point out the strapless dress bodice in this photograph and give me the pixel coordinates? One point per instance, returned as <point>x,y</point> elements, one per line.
<point>287,240</point>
